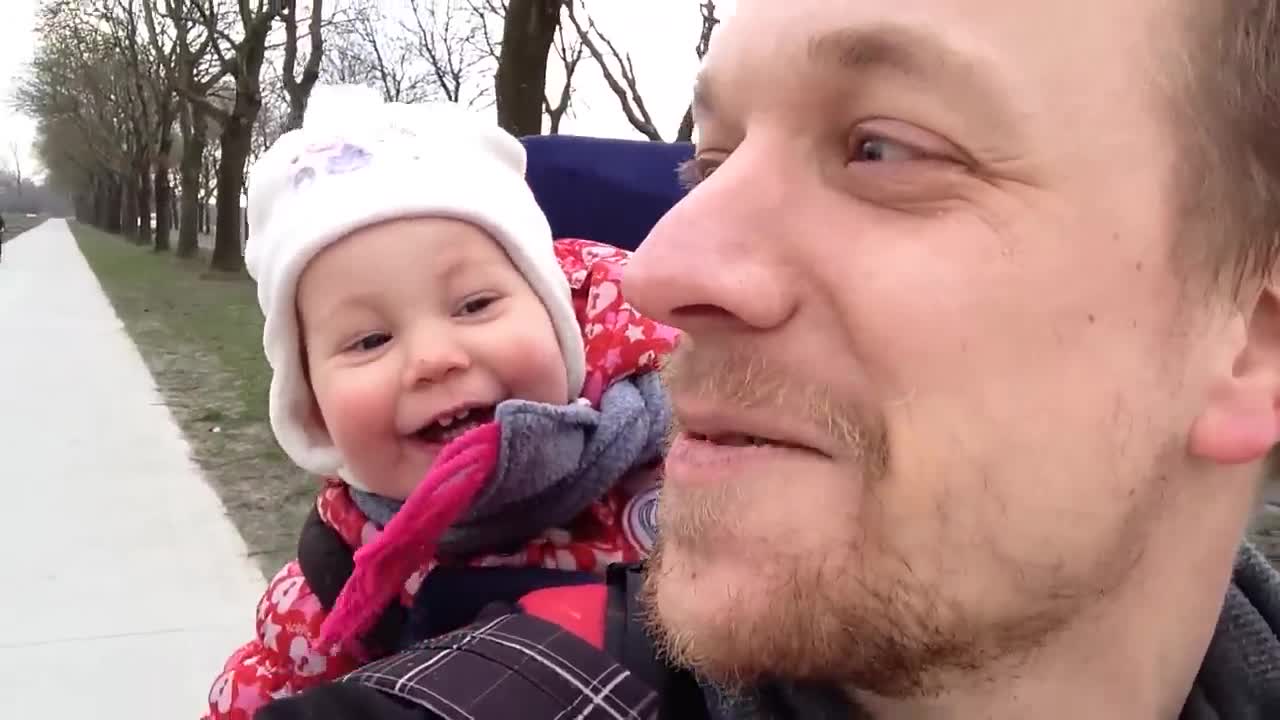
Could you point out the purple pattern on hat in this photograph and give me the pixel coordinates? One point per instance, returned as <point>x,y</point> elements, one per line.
<point>334,158</point>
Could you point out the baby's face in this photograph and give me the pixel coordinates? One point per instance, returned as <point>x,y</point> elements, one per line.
<point>414,330</point>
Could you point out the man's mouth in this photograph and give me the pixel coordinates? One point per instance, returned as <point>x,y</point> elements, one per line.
<point>452,425</point>
<point>741,440</point>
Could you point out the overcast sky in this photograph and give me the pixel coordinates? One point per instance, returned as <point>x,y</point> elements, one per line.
<point>660,35</point>
<point>16,43</point>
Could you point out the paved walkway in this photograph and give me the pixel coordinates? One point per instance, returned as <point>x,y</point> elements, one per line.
<point>125,586</point>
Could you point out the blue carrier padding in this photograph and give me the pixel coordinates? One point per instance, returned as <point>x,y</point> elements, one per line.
<point>611,191</point>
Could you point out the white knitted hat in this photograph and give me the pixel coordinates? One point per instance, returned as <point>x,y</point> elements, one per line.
<point>358,161</point>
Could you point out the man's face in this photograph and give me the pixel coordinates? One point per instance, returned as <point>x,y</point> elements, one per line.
<point>939,369</point>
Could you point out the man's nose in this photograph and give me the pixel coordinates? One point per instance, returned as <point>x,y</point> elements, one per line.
<point>431,358</point>
<point>714,257</point>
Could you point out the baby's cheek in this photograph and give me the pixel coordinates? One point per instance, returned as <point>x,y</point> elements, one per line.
<point>534,368</point>
<point>353,409</point>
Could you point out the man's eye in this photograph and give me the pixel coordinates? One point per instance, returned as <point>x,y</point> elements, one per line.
<point>476,305</point>
<point>695,170</point>
<point>372,341</point>
<point>880,150</point>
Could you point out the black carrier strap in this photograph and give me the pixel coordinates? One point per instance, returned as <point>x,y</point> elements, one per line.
<point>514,666</point>
<point>327,562</point>
<point>627,638</point>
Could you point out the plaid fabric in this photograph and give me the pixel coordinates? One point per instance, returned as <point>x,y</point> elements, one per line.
<point>516,666</point>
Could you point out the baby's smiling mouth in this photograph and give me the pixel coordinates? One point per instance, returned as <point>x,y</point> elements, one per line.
<point>450,426</point>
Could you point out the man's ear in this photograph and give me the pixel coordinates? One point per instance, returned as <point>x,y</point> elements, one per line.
<point>1240,421</point>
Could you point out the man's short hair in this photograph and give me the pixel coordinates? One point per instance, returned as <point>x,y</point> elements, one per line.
<point>1231,168</point>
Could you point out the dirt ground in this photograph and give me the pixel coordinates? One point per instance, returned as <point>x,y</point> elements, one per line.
<point>200,334</point>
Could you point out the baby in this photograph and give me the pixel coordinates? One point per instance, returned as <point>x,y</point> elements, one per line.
<point>475,393</point>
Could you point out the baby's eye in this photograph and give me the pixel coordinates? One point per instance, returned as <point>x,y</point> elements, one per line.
<point>372,341</point>
<point>476,305</point>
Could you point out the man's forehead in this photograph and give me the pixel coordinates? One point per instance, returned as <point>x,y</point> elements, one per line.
<point>980,54</point>
<point>843,52</point>
<point>906,50</point>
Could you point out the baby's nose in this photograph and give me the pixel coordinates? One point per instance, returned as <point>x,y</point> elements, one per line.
<point>433,360</point>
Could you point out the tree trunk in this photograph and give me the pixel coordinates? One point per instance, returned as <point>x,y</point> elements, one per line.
<point>112,198</point>
<point>101,203</point>
<point>237,136</point>
<point>521,80</point>
<point>685,133</point>
<point>163,193</point>
<point>144,206</point>
<point>189,215</point>
<point>299,88</point>
<point>128,208</point>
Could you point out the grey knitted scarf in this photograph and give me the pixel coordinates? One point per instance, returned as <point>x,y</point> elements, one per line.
<point>553,462</point>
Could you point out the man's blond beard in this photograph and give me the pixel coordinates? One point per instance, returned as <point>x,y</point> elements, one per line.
<point>859,616</point>
<point>736,377</point>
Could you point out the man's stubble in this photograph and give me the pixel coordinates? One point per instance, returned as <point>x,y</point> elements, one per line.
<point>858,616</point>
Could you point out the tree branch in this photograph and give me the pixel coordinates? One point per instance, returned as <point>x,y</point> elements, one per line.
<point>627,94</point>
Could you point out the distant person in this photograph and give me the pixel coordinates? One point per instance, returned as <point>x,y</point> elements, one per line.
<point>2,232</point>
<point>477,394</point>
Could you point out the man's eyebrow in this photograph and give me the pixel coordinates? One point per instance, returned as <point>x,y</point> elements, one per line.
<point>908,51</point>
<point>912,53</point>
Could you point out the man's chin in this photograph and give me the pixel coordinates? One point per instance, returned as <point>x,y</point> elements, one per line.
<point>738,619</point>
<point>693,614</point>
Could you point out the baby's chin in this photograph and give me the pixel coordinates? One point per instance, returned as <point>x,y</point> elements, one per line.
<point>398,479</point>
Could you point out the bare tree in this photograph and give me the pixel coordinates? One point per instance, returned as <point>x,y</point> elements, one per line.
<point>118,21</point>
<point>620,73</point>
<point>78,89</point>
<point>208,183</point>
<point>367,48</point>
<point>164,79</point>
<point>241,55</point>
<point>197,72</point>
<point>448,38</point>
<point>566,46</point>
<point>274,117</point>
<point>298,88</point>
<point>569,50</point>
<point>528,30</point>
<point>15,152</point>
<point>709,23</point>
